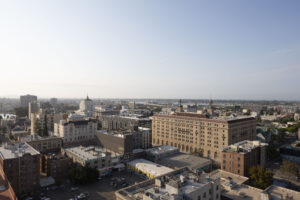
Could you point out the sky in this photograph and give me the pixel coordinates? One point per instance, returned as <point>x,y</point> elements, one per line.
<point>231,49</point>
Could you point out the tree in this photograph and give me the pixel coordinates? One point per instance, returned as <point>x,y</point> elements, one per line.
<point>272,152</point>
<point>260,177</point>
<point>289,168</point>
<point>37,127</point>
<point>292,129</point>
<point>82,175</point>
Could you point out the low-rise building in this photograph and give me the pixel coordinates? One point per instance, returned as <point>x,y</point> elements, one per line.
<point>56,165</point>
<point>239,157</point>
<point>43,144</point>
<point>21,164</point>
<point>176,185</point>
<point>148,168</point>
<point>93,156</point>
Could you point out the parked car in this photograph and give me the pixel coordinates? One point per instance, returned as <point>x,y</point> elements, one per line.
<point>74,189</point>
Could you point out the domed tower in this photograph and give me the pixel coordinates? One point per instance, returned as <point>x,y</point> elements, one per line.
<point>87,107</point>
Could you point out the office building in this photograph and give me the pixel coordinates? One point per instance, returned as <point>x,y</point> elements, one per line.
<point>176,185</point>
<point>53,102</point>
<point>193,132</point>
<point>21,164</point>
<point>121,143</point>
<point>26,99</point>
<point>239,157</point>
<point>75,132</point>
<point>116,122</point>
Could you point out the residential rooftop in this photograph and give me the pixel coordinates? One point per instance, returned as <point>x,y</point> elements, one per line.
<point>244,146</point>
<point>16,150</point>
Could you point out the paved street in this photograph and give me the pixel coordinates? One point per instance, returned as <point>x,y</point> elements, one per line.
<point>97,191</point>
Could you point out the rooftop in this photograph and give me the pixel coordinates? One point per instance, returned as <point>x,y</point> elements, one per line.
<point>182,181</point>
<point>10,151</point>
<point>90,153</point>
<point>184,160</point>
<point>149,167</point>
<point>244,146</point>
<point>161,149</point>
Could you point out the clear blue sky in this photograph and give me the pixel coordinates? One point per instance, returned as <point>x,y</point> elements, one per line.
<point>151,49</point>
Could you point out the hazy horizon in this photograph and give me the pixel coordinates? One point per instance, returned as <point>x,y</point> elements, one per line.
<point>235,50</point>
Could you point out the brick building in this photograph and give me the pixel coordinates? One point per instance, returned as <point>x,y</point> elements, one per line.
<point>21,164</point>
<point>239,157</point>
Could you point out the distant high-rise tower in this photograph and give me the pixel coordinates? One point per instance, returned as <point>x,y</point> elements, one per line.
<point>33,107</point>
<point>53,101</point>
<point>26,99</point>
<point>179,107</point>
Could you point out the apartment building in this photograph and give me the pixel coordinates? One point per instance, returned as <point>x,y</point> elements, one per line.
<point>21,164</point>
<point>43,144</point>
<point>75,132</point>
<point>239,157</point>
<point>193,132</point>
<point>56,165</point>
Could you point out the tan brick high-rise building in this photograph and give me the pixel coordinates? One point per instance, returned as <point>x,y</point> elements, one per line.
<point>193,132</point>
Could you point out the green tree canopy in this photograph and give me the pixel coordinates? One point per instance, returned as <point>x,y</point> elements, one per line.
<point>260,177</point>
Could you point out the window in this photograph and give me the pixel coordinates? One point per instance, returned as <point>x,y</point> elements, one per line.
<point>204,195</point>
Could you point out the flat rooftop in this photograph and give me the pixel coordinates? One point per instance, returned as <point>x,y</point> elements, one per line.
<point>10,151</point>
<point>149,167</point>
<point>228,176</point>
<point>180,160</point>
<point>90,153</point>
<point>183,180</point>
<point>244,146</point>
<point>161,149</point>
<point>277,192</point>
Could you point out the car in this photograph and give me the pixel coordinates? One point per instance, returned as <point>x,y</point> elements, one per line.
<point>100,178</point>
<point>45,198</point>
<point>74,189</point>
<point>81,196</point>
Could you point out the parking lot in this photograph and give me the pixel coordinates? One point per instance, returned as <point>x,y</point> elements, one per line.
<point>103,189</point>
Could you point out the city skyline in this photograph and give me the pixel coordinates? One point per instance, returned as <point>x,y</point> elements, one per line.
<point>170,49</point>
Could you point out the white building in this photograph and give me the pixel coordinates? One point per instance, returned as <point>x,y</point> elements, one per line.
<point>76,131</point>
<point>86,107</point>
